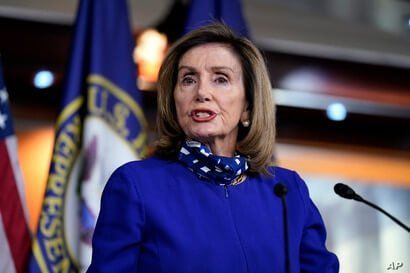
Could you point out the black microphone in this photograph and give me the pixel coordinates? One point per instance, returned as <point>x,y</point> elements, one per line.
<point>281,190</point>
<point>346,192</point>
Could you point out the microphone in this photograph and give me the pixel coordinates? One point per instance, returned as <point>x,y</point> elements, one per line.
<point>346,192</point>
<point>280,191</point>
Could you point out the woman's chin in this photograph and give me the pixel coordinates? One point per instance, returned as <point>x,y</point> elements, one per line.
<point>202,136</point>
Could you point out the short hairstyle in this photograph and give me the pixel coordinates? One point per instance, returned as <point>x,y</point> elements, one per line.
<point>257,141</point>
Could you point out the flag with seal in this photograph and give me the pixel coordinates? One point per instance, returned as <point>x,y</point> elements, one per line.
<point>100,127</point>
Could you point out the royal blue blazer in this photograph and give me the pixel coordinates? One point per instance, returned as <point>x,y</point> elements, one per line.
<point>157,216</point>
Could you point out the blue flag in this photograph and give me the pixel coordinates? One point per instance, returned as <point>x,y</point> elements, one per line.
<point>101,126</point>
<point>203,12</point>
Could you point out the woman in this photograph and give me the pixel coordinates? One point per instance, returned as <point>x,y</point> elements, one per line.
<point>205,201</point>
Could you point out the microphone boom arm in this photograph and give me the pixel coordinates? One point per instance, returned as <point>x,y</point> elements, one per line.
<point>346,192</point>
<point>386,213</point>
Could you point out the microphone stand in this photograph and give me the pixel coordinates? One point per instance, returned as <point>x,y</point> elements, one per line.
<point>281,191</point>
<point>385,213</point>
<point>346,192</point>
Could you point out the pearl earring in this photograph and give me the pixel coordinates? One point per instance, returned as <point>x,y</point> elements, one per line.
<point>246,123</point>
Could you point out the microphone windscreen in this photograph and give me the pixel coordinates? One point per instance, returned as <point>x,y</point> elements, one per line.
<point>280,189</point>
<point>344,191</point>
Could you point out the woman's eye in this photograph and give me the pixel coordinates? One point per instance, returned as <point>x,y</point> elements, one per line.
<point>221,80</point>
<point>188,80</point>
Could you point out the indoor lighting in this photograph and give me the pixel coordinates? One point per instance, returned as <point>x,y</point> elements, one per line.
<point>43,79</point>
<point>148,55</point>
<point>336,111</point>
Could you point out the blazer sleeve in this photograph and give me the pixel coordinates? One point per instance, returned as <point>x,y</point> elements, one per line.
<point>314,257</point>
<point>118,232</point>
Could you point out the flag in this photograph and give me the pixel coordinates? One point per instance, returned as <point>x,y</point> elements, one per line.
<point>15,239</point>
<point>203,12</point>
<point>101,126</point>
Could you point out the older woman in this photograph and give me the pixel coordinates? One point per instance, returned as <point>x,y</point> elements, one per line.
<point>205,201</point>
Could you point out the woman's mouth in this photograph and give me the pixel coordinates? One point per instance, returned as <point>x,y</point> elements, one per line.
<point>202,115</point>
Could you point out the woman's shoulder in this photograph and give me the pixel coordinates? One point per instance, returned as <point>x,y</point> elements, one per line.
<point>142,173</point>
<point>287,176</point>
<point>151,164</point>
<point>293,181</point>
<point>280,173</point>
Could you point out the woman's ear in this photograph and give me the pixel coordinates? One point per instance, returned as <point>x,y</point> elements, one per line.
<point>245,113</point>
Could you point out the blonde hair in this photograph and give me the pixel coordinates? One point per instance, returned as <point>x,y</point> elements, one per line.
<point>257,141</point>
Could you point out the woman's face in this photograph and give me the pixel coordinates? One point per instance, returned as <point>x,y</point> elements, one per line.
<point>210,95</point>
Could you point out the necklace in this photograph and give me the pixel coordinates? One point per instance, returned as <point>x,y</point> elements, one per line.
<point>238,180</point>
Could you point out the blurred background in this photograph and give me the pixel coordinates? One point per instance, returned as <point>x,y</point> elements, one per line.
<point>341,76</point>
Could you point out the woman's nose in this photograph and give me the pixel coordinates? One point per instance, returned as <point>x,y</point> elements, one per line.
<point>203,92</point>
